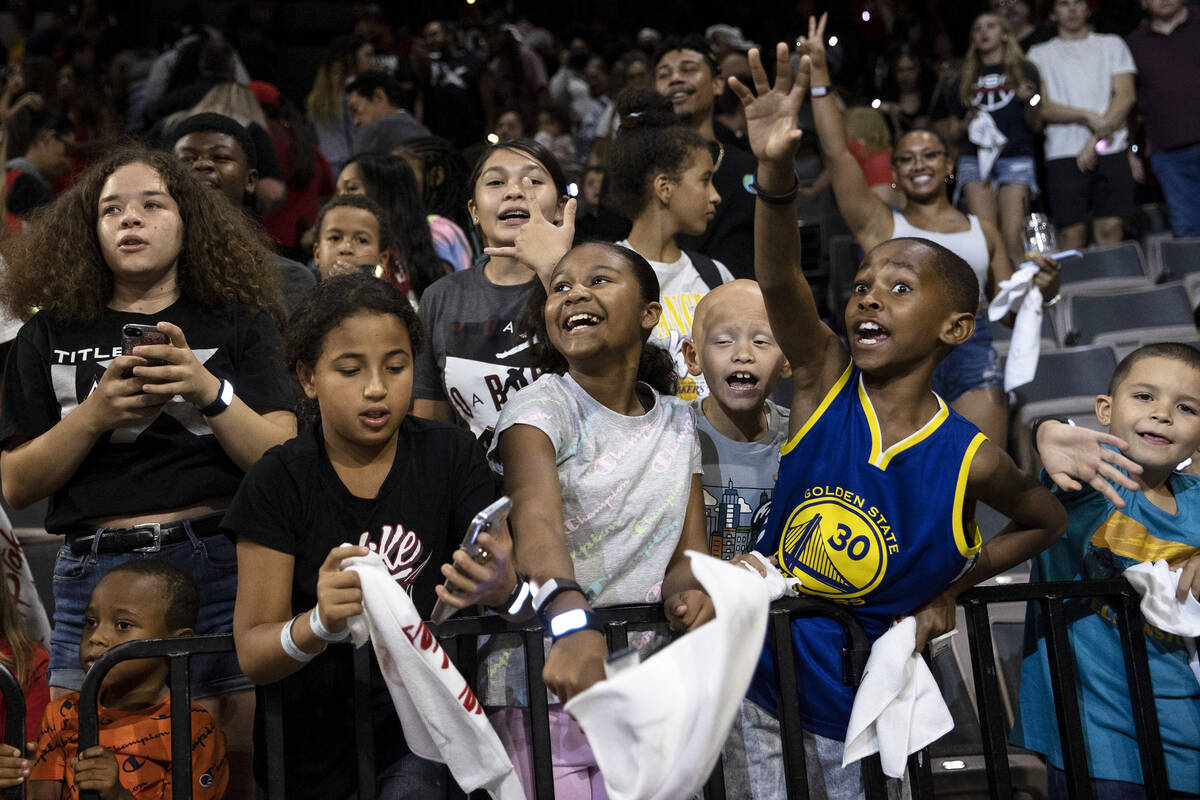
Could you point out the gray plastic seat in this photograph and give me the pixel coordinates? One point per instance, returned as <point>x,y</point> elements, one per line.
<point>1129,316</point>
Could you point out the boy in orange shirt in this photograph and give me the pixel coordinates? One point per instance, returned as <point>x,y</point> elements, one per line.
<point>142,599</point>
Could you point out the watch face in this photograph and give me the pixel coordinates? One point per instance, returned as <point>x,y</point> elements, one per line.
<point>568,621</point>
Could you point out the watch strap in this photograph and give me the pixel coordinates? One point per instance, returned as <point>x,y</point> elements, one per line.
<point>543,594</point>
<point>223,400</point>
<point>573,621</point>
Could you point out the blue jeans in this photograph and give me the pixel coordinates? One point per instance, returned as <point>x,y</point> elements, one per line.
<point>412,778</point>
<point>212,563</point>
<point>1056,780</point>
<point>1178,173</point>
<point>970,366</point>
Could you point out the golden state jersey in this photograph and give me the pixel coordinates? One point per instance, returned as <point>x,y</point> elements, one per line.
<point>881,530</point>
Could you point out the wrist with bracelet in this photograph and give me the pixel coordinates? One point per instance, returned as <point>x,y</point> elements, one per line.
<point>772,198</point>
<point>516,600</point>
<point>321,632</point>
<point>1033,431</point>
<point>566,622</point>
<point>289,644</point>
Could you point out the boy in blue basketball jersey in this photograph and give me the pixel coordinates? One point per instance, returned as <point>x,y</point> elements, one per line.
<point>1149,512</point>
<point>874,505</point>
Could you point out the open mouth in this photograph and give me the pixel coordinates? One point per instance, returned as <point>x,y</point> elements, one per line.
<point>580,320</point>
<point>375,417</point>
<point>680,95</point>
<point>922,180</point>
<point>131,243</point>
<point>514,216</point>
<point>742,382</point>
<point>870,333</point>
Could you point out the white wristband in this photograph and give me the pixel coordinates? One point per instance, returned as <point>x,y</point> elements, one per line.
<point>289,644</point>
<point>314,621</point>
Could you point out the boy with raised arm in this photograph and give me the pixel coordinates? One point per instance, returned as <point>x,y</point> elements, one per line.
<point>874,505</point>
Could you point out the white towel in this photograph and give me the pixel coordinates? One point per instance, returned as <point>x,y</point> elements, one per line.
<point>18,582</point>
<point>657,728</point>
<point>777,585</point>
<point>898,708</point>
<point>1026,345</point>
<point>441,718</point>
<point>988,140</point>
<point>1157,583</point>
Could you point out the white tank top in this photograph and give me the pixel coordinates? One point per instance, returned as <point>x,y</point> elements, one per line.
<point>970,245</point>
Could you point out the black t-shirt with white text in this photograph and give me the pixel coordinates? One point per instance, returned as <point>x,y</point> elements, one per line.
<point>994,94</point>
<point>293,501</point>
<point>171,460</point>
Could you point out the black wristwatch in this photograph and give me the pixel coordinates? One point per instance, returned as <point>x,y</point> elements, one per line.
<point>542,595</point>
<point>1038,423</point>
<point>515,600</point>
<point>224,398</point>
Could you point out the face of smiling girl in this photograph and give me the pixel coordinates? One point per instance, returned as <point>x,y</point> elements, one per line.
<point>501,202</point>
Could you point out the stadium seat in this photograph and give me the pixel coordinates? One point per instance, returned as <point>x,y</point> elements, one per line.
<point>1128,316</point>
<point>1002,334</point>
<point>1107,267</point>
<point>1177,258</point>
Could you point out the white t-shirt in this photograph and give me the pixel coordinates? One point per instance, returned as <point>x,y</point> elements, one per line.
<point>1078,73</point>
<point>680,289</point>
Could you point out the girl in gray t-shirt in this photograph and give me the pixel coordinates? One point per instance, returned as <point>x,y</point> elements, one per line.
<point>603,467</point>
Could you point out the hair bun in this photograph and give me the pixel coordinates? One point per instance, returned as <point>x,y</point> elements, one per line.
<point>644,108</point>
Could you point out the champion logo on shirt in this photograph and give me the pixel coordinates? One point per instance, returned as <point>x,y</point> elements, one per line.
<point>401,551</point>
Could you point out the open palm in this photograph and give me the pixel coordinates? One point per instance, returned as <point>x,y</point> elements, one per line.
<point>771,116</point>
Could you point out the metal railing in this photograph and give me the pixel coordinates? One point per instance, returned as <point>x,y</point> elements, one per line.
<point>459,637</point>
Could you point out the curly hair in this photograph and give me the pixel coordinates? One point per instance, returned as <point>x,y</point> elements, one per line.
<point>325,307</point>
<point>656,367</point>
<point>57,264</point>
<point>651,141</point>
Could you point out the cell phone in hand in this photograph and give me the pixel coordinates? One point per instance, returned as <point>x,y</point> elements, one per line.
<point>134,335</point>
<point>489,519</point>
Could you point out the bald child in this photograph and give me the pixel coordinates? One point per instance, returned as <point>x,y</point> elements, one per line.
<point>740,429</point>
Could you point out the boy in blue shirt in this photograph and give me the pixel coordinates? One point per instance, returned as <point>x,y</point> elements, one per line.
<point>874,506</point>
<point>1152,411</point>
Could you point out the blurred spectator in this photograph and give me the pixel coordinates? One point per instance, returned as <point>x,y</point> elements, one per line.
<point>179,66</point>
<point>596,220</point>
<point>685,72</point>
<point>326,103</point>
<point>868,140</point>
<point>568,88</point>
<point>1166,50</point>
<point>37,148</point>
<point>517,76</point>
<point>509,126</point>
<point>728,113</point>
<point>1087,92</point>
<point>375,109</point>
<point>202,64</point>
<point>599,106</point>
<point>305,171</point>
<point>554,133</point>
<point>726,39</point>
<point>631,69</point>
<point>997,80</point>
<point>906,97</point>
<point>93,118</point>
<point>223,155</point>
<point>451,102</point>
<point>1020,18</point>
<point>441,173</point>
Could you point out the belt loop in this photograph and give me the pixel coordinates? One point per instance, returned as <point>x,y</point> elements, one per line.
<point>187,528</point>
<point>94,556</point>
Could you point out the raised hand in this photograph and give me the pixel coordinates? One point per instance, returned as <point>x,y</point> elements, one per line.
<point>813,46</point>
<point>1072,454</point>
<point>771,116</point>
<point>540,243</point>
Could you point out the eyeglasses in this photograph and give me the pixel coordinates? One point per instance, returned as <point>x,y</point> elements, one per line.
<point>924,156</point>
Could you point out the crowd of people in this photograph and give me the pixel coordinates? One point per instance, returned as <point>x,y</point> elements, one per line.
<point>250,337</point>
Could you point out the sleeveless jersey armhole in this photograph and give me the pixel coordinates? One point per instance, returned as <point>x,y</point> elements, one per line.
<point>816,415</point>
<point>967,538</point>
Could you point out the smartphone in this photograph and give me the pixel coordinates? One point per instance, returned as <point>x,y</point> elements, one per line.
<point>134,335</point>
<point>489,519</point>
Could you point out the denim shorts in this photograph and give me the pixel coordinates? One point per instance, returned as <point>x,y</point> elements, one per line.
<point>1009,169</point>
<point>970,366</point>
<point>212,563</point>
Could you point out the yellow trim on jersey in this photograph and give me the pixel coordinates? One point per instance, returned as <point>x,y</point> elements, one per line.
<point>882,459</point>
<point>825,402</point>
<point>966,547</point>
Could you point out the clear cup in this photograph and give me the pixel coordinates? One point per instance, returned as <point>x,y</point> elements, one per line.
<point>1039,236</point>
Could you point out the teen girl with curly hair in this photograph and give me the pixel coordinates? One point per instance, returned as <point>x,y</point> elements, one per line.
<point>139,453</point>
